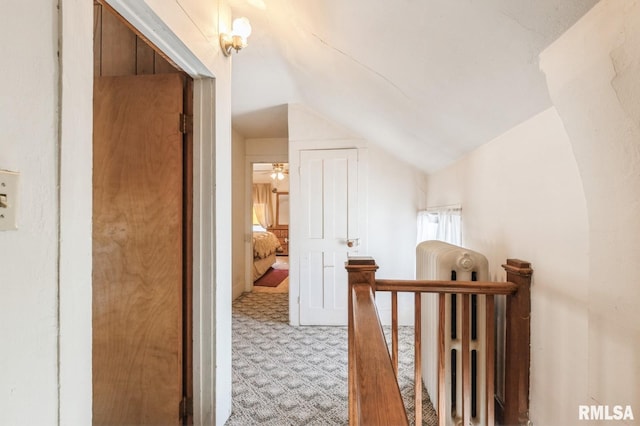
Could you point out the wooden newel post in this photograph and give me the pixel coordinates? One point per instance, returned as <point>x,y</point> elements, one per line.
<point>360,270</point>
<point>517,344</point>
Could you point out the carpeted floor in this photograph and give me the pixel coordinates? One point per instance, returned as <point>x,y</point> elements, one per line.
<point>285,375</point>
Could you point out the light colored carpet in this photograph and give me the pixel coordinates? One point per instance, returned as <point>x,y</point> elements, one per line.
<point>285,375</point>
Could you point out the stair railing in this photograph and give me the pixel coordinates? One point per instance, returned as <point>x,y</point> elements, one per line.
<point>374,394</point>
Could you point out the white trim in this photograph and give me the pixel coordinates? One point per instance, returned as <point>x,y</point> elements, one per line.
<point>248,225</point>
<point>203,252</point>
<point>75,162</point>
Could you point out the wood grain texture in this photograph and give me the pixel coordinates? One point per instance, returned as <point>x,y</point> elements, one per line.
<point>439,286</point>
<point>161,65</point>
<point>394,331</point>
<point>417,358</point>
<point>137,250</point>
<point>442,384</point>
<point>360,270</point>
<point>353,389</point>
<point>517,344</point>
<point>282,233</point>
<point>118,47</point>
<point>188,252</point>
<point>145,58</point>
<point>490,341</point>
<point>466,359</point>
<point>378,397</point>
<point>515,408</point>
<point>97,39</point>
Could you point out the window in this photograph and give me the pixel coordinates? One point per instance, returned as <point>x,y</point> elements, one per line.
<point>440,223</point>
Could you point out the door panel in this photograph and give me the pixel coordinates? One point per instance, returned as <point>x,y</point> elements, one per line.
<point>137,250</point>
<point>328,182</point>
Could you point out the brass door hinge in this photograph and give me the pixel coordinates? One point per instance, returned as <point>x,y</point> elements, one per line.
<point>186,123</point>
<point>186,407</point>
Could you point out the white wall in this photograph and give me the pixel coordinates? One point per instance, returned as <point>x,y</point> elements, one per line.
<point>239,187</point>
<point>75,294</point>
<point>592,73</point>
<point>561,191</point>
<point>396,193</point>
<point>258,149</point>
<point>29,256</point>
<point>521,197</point>
<point>45,303</point>
<point>394,198</point>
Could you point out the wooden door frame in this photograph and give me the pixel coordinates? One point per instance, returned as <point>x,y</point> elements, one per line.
<point>186,126</point>
<point>187,246</point>
<point>199,377</point>
<point>75,83</point>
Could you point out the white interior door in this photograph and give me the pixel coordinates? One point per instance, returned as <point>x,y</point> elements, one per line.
<point>329,191</point>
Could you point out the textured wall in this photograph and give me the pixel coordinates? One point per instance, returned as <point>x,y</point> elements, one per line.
<point>592,72</point>
<point>45,303</point>
<point>29,256</point>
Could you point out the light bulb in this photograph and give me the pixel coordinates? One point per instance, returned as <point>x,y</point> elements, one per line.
<point>242,27</point>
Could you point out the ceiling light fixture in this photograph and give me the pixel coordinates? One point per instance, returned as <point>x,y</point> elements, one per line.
<point>278,171</point>
<point>237,39</point>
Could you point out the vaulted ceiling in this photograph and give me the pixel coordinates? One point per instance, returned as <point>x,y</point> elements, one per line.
<point>429,80</point>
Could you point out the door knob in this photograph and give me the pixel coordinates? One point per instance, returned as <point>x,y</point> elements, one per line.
<point>353,242</point>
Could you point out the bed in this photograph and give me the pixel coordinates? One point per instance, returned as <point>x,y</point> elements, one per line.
<point>265,246</point>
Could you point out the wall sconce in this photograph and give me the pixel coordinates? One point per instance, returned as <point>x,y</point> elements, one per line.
<point>240,31</point>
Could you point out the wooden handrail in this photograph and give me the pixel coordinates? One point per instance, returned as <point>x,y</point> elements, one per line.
<point>378,401</point>
<point>450,287</point>
<point>366,337</point>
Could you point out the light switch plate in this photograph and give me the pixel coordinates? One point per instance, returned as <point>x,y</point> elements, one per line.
<point>9,195</point>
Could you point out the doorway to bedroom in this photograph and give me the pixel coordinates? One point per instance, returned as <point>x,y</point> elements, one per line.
<point>270,227</point>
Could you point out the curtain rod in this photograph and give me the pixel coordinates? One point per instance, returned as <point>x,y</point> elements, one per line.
<point>443,207</point>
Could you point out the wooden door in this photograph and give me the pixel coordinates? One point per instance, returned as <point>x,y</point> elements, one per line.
<point>329,192</point>
<point>137,250</point>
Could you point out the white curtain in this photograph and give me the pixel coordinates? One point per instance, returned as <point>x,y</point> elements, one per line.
<point>263,204</point>
<point>441,223</point>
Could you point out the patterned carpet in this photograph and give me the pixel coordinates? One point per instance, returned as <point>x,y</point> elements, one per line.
<point>285,375</point>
